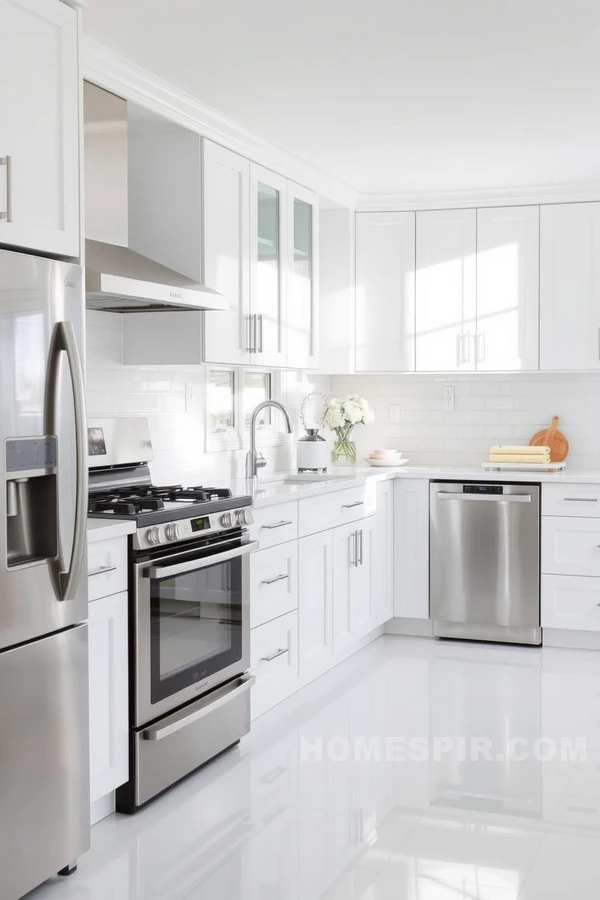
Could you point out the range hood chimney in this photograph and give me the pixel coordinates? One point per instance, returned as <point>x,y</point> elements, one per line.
<point>143,210</point>
<point>119,280</point>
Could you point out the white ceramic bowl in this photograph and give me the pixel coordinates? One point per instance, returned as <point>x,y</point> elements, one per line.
<point>389,463</point>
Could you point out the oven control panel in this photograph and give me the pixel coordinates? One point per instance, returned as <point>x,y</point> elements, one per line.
<point>187,529</point>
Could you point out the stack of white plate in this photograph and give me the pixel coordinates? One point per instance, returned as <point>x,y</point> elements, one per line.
<point>386,458</point>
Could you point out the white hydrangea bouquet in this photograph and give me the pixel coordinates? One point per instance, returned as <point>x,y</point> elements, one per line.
<point>341,416</point>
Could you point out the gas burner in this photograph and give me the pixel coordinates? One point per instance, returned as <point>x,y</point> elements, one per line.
<point>199,494</point>
<point>125,503</point>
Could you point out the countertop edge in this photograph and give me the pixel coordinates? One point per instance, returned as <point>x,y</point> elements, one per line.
<point>284,493</point>
<point>101,530</point>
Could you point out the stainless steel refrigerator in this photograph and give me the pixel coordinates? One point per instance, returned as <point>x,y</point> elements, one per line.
<point>44,768</point>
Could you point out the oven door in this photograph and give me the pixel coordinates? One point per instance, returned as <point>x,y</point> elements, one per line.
<point>192,626</point>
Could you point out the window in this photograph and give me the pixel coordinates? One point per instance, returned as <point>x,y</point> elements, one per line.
<point>221,399</point>
<point>231,395</point>
<point>257,387</point>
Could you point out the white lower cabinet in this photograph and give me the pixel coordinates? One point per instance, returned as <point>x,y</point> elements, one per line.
<point>570,546</point>
<point>352,585</point>
<point>571,601</point>
<point>315,613</point>
<point>411,548</point>
<point>273,583</point>
<point>315,598</point>
<point>383,554</point>
<point>274,661</point>
<point>108,673</point>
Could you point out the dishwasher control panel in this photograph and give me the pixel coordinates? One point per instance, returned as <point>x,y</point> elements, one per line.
<point>483,489</point>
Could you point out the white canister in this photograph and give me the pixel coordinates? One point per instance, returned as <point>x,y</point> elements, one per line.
<point>312,452</point>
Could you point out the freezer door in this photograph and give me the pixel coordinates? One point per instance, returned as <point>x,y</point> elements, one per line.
<point>43,456</point>
<point>44,768</point>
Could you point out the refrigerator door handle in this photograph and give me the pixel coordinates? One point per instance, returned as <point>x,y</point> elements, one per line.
<point>64,341</point>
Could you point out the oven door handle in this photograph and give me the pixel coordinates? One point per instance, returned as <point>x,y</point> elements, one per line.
<point>182,720</point>
<point>203,563</point>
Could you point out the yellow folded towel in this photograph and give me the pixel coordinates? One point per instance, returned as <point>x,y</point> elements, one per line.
<point>521,451</point>
<point>527,458</point>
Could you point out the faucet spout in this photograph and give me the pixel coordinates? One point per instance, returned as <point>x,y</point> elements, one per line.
<point>255,461</point>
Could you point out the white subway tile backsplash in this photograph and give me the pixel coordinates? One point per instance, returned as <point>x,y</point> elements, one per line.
<point>489,409</point>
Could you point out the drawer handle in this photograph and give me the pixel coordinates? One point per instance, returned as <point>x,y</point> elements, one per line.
<point>102,570</point>
<point>273,580</point>
<point>274,655</point>
<point>278,524</point>
<point>352,505</point>
<point>582,809</point>
<point>581,499</point>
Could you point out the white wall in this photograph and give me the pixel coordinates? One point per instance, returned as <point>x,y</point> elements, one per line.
<point>159,393</point>
<point>489,409</point>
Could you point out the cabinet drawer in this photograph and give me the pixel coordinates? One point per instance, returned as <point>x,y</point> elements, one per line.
<point>571,601</point>
<point>107,567</point>
<point>273,583</point>
<point>570,546</point>
<point>274,661</point>
<point>275,524</point>
<point>581,500</point>
<point>337,508</point>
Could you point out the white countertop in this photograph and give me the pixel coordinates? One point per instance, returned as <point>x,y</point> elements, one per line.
<point>101,530</point>
<point>271,490</point>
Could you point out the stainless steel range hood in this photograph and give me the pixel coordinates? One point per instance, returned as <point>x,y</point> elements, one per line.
<point>119,280</point>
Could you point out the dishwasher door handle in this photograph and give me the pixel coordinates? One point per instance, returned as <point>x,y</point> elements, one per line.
<point>488,498</point>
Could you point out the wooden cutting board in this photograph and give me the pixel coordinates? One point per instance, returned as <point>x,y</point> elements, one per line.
<point>553,438</point>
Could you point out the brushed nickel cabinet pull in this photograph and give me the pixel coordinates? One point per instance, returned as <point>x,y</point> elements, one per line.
<point>6,161</point>
<point>102,570</point>
<point>274,580</point>
<point>275,655</point>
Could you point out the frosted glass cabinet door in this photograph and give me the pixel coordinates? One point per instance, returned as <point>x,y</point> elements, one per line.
<point>268,227</point>
<point>385,292</point>
<point>302,310</point>
<point>39,126</point>
<point>570,286</point>
<point>507,288</point>
<point>445,290</point>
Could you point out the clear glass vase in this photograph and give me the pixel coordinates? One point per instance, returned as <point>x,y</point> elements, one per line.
<point>344,448</point>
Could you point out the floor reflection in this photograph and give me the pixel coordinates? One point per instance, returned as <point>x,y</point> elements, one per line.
<point>271,821</point>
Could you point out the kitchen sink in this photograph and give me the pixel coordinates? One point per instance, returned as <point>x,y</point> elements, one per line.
<point>305,478</point>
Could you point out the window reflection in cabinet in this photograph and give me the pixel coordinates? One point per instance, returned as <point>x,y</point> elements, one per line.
<point>302,275</point>
<point>267,284</point>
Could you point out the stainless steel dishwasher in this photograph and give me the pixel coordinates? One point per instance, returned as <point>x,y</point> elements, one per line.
<point>485,561</point>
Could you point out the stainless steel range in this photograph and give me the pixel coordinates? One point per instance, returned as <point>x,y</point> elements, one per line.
<point>189,617</point>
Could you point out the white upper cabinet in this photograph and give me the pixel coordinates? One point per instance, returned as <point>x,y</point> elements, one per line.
<point>385,292</point>
<point>39,126</point>
<point>302,308</point>
<point>226,198</point>
<point>507,289</point>
<point>446,290</point>
<point>268,243</point>
<point>570,286</point>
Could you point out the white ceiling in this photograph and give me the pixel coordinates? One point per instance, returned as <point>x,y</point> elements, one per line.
<point>388,95</point>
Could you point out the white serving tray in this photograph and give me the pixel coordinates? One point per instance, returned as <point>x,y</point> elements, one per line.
<point>523,467</point>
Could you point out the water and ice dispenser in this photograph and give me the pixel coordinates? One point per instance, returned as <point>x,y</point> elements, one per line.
<point>31,501</point>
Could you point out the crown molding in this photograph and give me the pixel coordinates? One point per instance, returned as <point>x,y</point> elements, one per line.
<point>115,73</point>
<point>510,196</point>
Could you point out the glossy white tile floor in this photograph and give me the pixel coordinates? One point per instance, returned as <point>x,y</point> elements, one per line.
<point>262,824</point>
